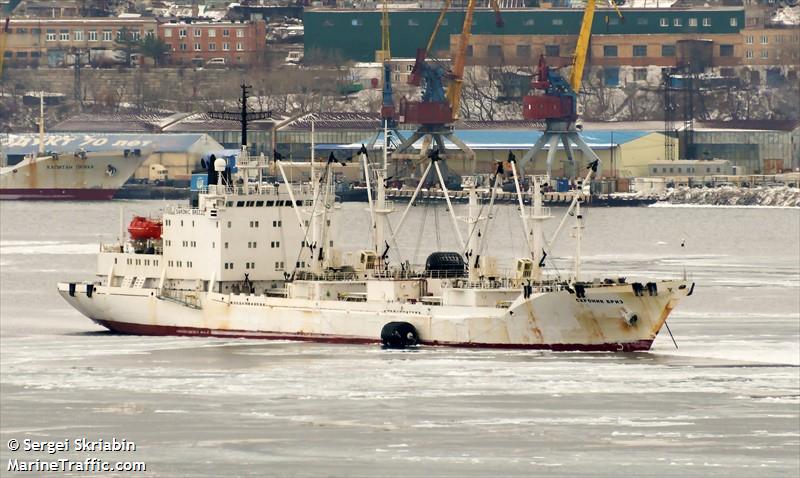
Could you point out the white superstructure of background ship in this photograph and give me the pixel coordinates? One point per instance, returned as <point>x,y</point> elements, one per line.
<point>256,259</point>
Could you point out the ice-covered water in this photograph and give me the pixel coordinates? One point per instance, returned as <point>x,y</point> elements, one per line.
<point>725,403</point>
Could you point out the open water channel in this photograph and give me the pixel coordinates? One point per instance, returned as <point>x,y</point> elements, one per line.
<point>726,402</point>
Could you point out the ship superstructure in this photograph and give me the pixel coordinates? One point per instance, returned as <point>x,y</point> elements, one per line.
<point>256,259</point>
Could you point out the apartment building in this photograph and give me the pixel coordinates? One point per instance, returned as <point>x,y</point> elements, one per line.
<point>355,34</point>
<point>634,48</point>
<point>238,43</point>
<point>52,41</point>
<point>772,49</point>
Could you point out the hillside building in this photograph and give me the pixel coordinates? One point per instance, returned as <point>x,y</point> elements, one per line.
<point>54,41</point>
<point>236,43</point>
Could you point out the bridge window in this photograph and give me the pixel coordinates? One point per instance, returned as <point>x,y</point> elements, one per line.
<point>558,21</point>
<point>641,21</point>
<point>356,22</point>
<point>706,22</point>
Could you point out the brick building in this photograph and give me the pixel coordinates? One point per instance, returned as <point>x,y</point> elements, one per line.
<point>198,42</point>
<point>51,41</point>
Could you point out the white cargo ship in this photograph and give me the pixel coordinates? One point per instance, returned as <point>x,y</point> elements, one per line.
<point>79,176</point>
<point>256,259</point>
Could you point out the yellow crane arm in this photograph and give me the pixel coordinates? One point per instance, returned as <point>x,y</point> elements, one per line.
<point>3,38</point>
<point>454,90</point>
<point>582,48</point>
<point>386,48</point>
<point>437,26</point>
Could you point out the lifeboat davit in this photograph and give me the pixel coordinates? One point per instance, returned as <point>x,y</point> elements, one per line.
<point>142,228</point>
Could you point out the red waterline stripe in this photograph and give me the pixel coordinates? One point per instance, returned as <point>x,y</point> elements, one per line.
<point>143,329</point>
<point>54,193</point>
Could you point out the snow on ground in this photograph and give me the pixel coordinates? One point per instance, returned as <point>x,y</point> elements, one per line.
<point>736,196</point>
<point>787,15</point>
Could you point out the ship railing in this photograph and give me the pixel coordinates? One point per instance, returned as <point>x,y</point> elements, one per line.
<point>262,189</point>
<point>112,248</point>
<point>506,280</point>
<point>188,298</point>
<point>329,276</point>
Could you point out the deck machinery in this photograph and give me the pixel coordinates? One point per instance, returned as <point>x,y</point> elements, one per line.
<point>557,100</point>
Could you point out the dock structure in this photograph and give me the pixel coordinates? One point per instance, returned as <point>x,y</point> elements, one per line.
<point>552,198</point>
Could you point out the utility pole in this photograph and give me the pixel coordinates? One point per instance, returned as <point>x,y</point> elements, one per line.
<point>243,115</point>
<point>688,112</point>
<point>669,118</point>
<point>76,84</point>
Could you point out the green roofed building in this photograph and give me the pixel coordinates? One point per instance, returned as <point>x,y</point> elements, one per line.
<point>356,34</point>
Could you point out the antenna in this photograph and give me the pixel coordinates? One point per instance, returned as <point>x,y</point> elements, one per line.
<point>242,116</point>
<point>41,122</point>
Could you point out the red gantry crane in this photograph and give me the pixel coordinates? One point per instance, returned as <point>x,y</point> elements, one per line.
<point>557,102</point>
<point>438,108</point>
<point>388,112</point>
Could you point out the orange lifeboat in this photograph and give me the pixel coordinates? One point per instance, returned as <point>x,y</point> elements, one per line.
<point>142,228</point>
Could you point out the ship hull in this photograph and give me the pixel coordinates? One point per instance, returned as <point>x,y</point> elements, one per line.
<point>84,176</point>
<point>557,321</point>
<point>62,194</point>
<point>162,330</point>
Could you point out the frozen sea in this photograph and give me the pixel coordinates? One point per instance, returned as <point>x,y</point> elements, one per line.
<point>725,403</point>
